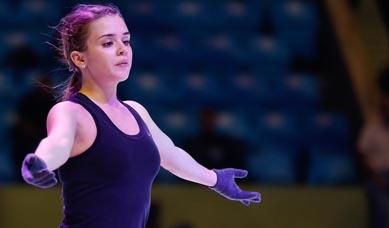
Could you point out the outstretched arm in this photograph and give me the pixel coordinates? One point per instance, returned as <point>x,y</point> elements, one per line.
<point>175,159</point>
<point>55,149</point>
<point>181,164</point>
<point>52,151</point>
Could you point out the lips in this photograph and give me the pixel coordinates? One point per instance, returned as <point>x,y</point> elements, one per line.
<point>122,63</point>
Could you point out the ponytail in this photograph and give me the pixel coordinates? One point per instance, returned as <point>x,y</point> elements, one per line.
<point>72,85</point>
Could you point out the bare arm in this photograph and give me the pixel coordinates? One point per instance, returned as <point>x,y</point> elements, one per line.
<point>366,146</point>
<point>175,159</point>
<point>55,149</point>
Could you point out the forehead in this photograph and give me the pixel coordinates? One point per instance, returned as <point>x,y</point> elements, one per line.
<point>110,24</point>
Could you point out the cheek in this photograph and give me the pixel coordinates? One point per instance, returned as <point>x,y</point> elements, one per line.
<point>100,59</point>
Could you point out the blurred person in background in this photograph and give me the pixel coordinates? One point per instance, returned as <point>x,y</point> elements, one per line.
<point>21,57</point>
<point>212,148</point>
<point>30,128</point>
<point>107,151</point>
<point>383,7</point>
<point>373,145</point>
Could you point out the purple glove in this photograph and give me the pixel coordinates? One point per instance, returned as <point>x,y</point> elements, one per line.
<point>226,186</point>
<point>35,172</point>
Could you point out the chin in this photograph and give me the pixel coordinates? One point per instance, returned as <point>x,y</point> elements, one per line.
<point>123,77</point>
<point>120,75</point>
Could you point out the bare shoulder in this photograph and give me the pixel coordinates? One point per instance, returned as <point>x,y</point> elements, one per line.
<point>138,107</point>
<point>64,112</point>
<point>67,108</point>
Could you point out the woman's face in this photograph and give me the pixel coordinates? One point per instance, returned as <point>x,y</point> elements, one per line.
<point>109,54</point>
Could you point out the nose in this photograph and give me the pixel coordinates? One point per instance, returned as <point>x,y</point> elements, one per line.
<point>122,50</point>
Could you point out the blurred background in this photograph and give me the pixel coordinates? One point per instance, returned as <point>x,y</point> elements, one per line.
<point>294,91</point>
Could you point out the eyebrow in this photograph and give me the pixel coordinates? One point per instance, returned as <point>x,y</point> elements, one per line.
<point>111,35</point>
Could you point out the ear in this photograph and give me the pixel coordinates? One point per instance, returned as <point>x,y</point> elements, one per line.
<point>78,58</point>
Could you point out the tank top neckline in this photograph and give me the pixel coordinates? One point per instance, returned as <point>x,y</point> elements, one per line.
<point>130,109</point>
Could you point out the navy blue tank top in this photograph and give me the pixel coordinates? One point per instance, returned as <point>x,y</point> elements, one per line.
<point>109,185</point>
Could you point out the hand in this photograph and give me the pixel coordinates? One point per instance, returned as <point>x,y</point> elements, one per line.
<point>226,186</point>
<point>35,172</point>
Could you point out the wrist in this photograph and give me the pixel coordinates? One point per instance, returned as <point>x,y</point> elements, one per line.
<point>212,178</point>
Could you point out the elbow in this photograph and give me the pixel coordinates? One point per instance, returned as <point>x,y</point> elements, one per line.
<point>167,165</point>
<point>60,143</point>
<point>175,160</point>
<point>166,149</point>
<point>169,160</point>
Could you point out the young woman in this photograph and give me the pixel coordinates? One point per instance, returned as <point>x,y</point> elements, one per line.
<point>109,151</point>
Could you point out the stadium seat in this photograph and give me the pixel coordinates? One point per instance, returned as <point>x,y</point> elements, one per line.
<point>236,15</point>
<point>234,123</point>
<point>269,166</point>
<point>44,13</point>
<point>268,56</point>
<point>146,87</point>
<point>6,84</point>
<point>279,127</point>
<point>251,90</point>
<point>331,168</point>
<point>296,24</point>
<point>299,91</point>
<point>171,49</point>
<point>177,124</point>
<point>7,13</point>
<point>189,14</point>
<point>327,127</point>
<point>200,88</point>
<point>143,15</point>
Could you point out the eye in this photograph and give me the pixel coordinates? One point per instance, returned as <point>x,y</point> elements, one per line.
<point>126,42</point>
<point>107,44</point>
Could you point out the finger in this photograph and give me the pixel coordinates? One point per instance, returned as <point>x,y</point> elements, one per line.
<point>245,202</point>
<point>26,175</point>
<point>257,199</point>
<point>41,173</point>
<point>49,183</point>
<point>240,173</point>
<point>44,177</point>
<point>248,195</point>
<point>45,181</point>
<point>34,179</point>
<point>28,178</point>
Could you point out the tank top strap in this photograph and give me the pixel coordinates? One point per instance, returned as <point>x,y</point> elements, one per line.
<point>86,103</point>
<point>142,124</point>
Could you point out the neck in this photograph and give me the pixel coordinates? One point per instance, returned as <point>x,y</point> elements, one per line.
<point>101,94</point>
